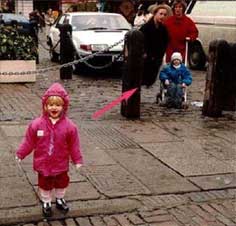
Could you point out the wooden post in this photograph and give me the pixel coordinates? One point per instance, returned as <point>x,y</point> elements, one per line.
<point>132,72</point>
<point>66,51</point>
<point>229,81</point>
<point>218,80</point>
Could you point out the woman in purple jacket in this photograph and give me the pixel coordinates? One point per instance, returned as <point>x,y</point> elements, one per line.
<point>54,139</point>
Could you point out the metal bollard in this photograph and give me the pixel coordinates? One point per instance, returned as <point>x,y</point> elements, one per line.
<point>66,51</point>
<point>132,72</point>
<point>220,83</point>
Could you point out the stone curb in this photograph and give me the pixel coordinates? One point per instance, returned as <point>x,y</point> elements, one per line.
<point>78,209</point>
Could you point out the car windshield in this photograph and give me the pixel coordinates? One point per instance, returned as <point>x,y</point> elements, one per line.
<point>9,17</point>
<point>99,22</point>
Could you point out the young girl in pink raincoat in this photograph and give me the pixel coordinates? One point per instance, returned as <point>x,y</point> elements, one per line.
<point>54,138</point>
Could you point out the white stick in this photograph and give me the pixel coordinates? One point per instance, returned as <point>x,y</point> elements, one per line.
<point>186,53</point>
<point>185,95</point>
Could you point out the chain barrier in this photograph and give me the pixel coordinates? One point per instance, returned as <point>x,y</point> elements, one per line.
<point>69,64</point>
<point>48,49</point>
<point>86,62</point>
<point>96,67</point>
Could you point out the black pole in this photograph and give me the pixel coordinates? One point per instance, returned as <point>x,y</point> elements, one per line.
<point>132,72</point>
<point>66,51</point>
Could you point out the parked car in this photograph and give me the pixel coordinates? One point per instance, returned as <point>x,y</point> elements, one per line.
<point>23,24</point>
<point>92,32</point>
<point>214,20</point>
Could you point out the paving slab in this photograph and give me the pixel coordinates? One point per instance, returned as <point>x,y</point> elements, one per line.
<point>4,146</point>
<point>182,129</point>
<point>13,142</point>
<point>231,164</point>
<point>106,137</point>
<point>13,130</point>
<point>146,132</point>
<point>81,191</point>
<point>91,153</point>
<point>114,181</point>
<point>228,135</point>
<point>165,201</point>
<point>222,128</point>
<point>76,175</point>
<point>142,165</point>
<point>188,158</point>
<point>10,169</point>
<point>221,181</point>
<point>16,192</point>
<point>24,104</point>
<point>218,147</point>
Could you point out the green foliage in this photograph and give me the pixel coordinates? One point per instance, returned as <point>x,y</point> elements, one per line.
<point>15,46</point>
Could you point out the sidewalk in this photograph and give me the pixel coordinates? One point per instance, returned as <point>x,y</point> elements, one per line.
<point>171,168</point>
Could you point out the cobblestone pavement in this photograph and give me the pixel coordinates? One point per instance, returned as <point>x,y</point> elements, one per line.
<point>170,168</point>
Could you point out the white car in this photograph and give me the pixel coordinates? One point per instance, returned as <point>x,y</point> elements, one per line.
<point>92,32</point>
<point>215,20</point>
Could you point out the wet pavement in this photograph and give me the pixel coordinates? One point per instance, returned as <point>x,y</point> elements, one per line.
<point>170,168</point>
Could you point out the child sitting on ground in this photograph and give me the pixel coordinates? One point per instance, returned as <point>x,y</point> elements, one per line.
<point>175,77</point>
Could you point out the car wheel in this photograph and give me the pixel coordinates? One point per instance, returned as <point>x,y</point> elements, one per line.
<point>197,57</point>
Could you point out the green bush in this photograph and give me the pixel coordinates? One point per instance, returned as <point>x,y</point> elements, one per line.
<point>15,46</point>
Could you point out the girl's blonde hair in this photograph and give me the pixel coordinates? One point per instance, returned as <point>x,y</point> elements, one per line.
<point>55,100</point>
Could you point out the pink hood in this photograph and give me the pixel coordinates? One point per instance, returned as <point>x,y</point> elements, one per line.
<point>56,89</point>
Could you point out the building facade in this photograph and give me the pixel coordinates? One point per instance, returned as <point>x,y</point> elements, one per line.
<point>26,6</point>
<point>125,7</point>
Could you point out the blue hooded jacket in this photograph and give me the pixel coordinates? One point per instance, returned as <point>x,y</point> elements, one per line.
<point>176,75</point>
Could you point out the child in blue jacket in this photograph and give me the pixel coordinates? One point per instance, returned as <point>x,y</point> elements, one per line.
<point>175,77</point>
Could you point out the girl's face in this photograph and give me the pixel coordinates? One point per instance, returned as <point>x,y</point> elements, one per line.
<point>176,62</point>
<point>178,9</point>
<point>160,16</point>
<point>54,107</point>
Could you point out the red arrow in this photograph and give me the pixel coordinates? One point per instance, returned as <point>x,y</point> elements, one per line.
<point>125,96</point>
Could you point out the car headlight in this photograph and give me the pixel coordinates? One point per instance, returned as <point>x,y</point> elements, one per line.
<point>99,47</point>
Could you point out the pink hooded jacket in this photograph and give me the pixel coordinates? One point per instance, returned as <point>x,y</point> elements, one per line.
<point>53,145</point>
